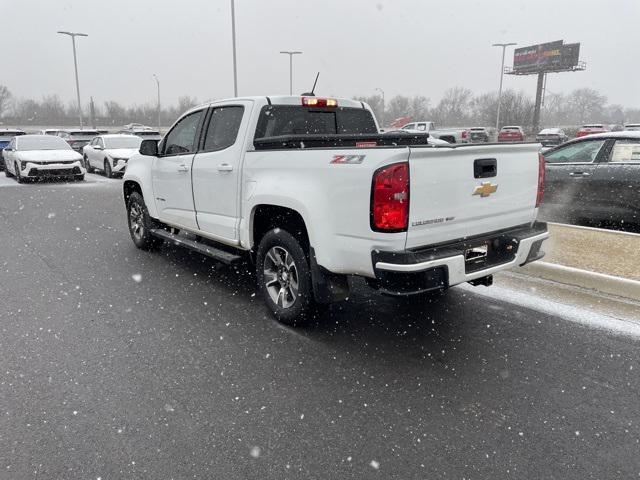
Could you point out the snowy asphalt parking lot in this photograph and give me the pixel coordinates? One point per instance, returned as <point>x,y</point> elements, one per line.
<point>119,363</point>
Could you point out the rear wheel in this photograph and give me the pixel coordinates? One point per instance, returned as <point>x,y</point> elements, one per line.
<point>284,278</point>
<point>108,172</point>
<point>141,224</point>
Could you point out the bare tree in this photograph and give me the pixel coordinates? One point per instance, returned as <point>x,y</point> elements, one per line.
<point>453,109</point>
<point>5,99</point>
<point>398,107</point>
<point>587,105</point>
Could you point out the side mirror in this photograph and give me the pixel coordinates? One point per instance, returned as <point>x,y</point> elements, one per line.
<point>96,147</point>
<point>149,148</point>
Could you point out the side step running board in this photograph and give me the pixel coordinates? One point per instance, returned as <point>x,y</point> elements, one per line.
<point>213,252</point>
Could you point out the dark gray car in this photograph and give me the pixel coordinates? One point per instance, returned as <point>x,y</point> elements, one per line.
<point>596,177</point>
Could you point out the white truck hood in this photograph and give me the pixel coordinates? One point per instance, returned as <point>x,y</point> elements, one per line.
<point>51,156</point>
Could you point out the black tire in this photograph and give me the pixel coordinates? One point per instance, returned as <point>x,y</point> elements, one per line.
<point>79,178</point>
<point>87,165</point>
<point>140,223</point>
<point>292,306</point>
<point>19,178</point>
<point>108,172</point>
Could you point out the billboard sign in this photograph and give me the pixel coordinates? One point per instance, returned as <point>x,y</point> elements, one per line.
<point>546,57</point>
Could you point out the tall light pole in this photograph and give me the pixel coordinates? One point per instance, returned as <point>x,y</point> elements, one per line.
<point>381,93</point>
<point>158,84</point>
<point>75,63</point>
<point>291,54</point>
<point>233,41</point>
<point>504,46</point>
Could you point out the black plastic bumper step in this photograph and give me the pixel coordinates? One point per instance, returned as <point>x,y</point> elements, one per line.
<point>213,252</point>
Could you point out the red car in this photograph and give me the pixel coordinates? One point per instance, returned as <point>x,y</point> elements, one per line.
<point>589,129</point>
<point>511,134</point>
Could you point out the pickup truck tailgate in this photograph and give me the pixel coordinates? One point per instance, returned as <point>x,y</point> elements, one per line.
<point>454,193</point>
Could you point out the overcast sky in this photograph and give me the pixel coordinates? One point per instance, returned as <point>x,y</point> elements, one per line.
<point>402,46</point>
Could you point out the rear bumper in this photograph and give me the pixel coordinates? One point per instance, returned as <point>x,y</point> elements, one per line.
<point>442,266</point>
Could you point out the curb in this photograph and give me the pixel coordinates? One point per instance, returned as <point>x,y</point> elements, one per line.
<point>621,287</point>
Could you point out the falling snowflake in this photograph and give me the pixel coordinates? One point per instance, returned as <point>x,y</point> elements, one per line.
<point>375,465</point>
<point>136,277</point>
<point>255,452</point>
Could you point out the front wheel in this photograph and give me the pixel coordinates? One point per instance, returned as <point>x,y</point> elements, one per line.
<point>19,177</point>
<point>284,278</point>
<point>87,165</point>
<point>141,224</point>
<point>108,172</point>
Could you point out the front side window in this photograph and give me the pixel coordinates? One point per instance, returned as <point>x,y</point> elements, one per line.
<point>100,143</point>
<point>625,151</point>
<point>580,152</point>
<point>422,127</point>
<point>182,138</point>
<point>223,127</point>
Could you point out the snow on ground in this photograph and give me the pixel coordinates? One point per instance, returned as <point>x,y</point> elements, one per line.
<point>89,180</point>
<point>574,313</point>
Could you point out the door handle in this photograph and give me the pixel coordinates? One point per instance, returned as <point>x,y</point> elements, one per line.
<point>579,174</point>
<point>225,167</point>
<point>183,167</point>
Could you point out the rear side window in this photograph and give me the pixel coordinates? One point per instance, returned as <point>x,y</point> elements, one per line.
<point>223,127</point>
<point>276,120</point>
<point>625,151</point>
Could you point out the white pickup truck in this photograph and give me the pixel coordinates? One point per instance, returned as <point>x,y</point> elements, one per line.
<point>307,190</point>
<point>451,135</point>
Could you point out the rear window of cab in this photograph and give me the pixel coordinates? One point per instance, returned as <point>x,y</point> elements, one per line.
<point>278,120</point>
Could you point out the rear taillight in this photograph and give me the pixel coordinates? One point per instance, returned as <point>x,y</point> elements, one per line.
<point>540,180</point>
<point>464,134</point>
<point>390,198</point>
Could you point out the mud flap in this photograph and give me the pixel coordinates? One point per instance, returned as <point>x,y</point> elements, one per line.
<point>327,287</point>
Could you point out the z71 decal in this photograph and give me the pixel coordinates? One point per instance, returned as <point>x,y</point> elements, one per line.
<point>350,159</point>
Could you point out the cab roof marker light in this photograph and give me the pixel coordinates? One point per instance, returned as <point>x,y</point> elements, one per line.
<point>319,102</point>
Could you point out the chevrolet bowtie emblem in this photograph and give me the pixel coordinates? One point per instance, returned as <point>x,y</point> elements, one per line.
<point>485,189</point>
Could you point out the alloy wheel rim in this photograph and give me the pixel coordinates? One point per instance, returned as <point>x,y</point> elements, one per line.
<point>136,221</point>
<point>281,277</point>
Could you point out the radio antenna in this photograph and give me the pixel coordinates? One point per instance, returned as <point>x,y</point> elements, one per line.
<point>312,93</point>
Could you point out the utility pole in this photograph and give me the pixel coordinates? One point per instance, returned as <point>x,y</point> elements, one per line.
<point>92,113</point>
<point>73,36</point>
<point>504,46</point>
<point>291,54</point>
<point>158,85</point>
<point>233,41</point>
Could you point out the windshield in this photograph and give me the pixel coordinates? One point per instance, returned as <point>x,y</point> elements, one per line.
<point>122,142</point>
<point>41,142</point>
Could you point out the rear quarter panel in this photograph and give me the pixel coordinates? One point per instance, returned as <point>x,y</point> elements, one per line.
<point>333,199</point>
